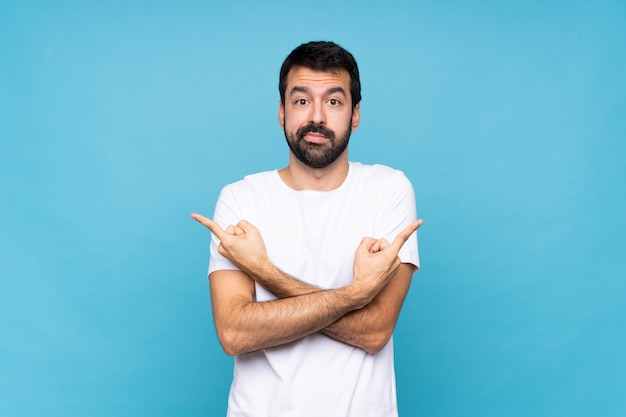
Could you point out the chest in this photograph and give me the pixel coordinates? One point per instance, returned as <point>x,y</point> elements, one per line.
<point>314,237</point>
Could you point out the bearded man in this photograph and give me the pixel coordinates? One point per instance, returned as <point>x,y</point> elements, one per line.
<point>310,264</point>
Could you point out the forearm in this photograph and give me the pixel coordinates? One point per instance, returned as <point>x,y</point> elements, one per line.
<point>371,327</point>
<point>246,326</point>
<point>368,328</point>
<point>359,328</point>
<point>279,283</point>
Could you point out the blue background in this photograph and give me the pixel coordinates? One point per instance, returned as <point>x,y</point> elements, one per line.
<point>119,118</point>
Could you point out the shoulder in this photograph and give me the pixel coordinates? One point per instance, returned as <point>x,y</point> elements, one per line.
<point>379,175</point>
<point>375,170</point>
<point>241,198</point>
<point>252,183</point>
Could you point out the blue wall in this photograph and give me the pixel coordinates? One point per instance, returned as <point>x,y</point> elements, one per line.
<point>117,119</point>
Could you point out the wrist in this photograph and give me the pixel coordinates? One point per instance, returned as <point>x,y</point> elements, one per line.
<point>356,296</point>
<point>261,270</point>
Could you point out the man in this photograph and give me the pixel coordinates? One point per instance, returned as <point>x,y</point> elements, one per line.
<point>302,297</point>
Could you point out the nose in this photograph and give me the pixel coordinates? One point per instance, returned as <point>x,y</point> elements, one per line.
<point>317,114</point>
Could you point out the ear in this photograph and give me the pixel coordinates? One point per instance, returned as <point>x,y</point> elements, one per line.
<point>281,115</point>
<point>356,116</point>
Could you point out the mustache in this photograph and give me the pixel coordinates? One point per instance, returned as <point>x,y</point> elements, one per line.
<point>315,128</point>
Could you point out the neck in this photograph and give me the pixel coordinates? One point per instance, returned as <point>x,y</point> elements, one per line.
<point>303,177</point>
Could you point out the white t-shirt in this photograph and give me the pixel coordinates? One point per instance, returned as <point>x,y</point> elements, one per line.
<point>313,235</point>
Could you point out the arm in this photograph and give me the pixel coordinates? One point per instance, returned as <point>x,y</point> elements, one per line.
<point>244,325</point>
<point>369,327</point>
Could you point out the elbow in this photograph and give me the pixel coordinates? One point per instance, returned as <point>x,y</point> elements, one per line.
<point>229,349</point>
<point>376,342</point>
<point>373,348</point>
<point>230,342</point>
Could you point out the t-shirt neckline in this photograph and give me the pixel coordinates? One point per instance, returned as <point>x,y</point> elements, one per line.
<point>338,189</point>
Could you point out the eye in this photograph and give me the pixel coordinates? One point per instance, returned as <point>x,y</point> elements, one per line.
<point>300,102</point>
<point>334,102</point>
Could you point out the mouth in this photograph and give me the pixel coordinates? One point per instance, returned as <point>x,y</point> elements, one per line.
<point>315,134</point>
<point>312,137</point>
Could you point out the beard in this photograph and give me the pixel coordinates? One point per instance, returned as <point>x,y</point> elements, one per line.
<point>317,155</point>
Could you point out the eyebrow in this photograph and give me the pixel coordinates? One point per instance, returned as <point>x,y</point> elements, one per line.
<point>331,90</point>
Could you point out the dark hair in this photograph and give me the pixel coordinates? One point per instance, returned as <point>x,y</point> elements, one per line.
<point>322,56</point>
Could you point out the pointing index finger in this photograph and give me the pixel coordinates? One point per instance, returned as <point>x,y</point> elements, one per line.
<point>406,233</point>
<point>209,224</point>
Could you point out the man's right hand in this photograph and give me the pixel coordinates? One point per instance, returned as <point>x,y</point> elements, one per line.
<point>375,263</point>
<point>241,244</point>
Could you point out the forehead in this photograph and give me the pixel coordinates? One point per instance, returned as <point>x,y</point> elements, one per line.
<point>306,77</point>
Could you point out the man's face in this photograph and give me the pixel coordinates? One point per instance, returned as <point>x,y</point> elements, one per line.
<point>317,116</point>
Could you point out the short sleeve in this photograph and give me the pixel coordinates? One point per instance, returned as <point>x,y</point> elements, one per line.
<point>397,211</point>
<point>226,213</point>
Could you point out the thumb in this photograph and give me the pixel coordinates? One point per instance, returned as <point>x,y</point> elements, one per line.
<point>382,244</point>
<point>245,226</point>
<point>367,244</point>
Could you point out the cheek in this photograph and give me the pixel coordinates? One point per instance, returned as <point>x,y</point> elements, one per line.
<point>344,123</point>
<point>293,121</point>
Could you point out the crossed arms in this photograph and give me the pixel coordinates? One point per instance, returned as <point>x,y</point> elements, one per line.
<point>362,314</point>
